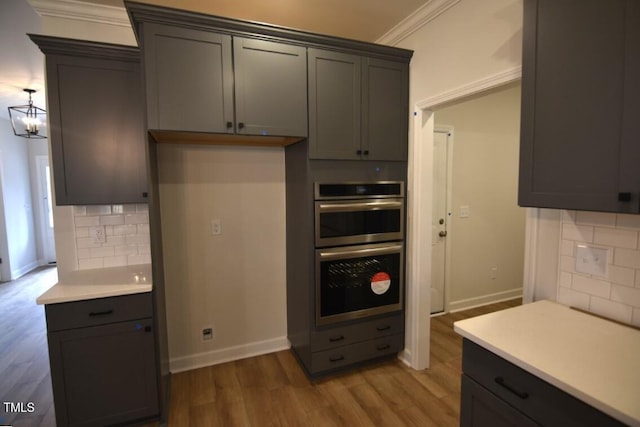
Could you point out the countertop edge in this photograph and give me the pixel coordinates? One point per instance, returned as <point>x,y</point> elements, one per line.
<point>123,290</point>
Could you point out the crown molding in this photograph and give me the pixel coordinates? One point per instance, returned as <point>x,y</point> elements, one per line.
<point>412,23</point>
<point>81,11</point>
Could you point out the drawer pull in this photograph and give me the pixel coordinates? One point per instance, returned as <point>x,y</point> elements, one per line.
<point>336,358</point>
<point>520,394</point>
<point>383,347</point>
<point>100,313</point>
<point>336,339</point>
<point>383,328</point>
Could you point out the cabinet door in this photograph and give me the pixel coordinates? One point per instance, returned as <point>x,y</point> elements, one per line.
<point>189,79</point>
<point>97,130</point>
<point>334,105</point>
<point>104,375</point>
<point>481,408</point>
<point>575,74</point>
<point>385,104</point>
<point>270,88</point>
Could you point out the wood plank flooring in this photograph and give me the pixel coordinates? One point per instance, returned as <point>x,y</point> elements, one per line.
<point>272,390</point>
<point>268,390</point>
<point>24,357</point>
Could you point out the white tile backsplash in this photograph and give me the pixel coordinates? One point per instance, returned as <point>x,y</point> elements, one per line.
<point>126,230</point>
<point>616,296</point>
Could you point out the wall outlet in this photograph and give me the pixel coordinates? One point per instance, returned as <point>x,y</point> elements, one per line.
<point>97,234</point>
<point>207,334</point>
<point>494,272</point>
<point>464,211</point>
<point>592,260</point>
<point>216,227</point>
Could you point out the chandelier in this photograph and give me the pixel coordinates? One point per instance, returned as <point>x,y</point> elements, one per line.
<point>28,121</point>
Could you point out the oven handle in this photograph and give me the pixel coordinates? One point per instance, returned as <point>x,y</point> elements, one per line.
<point>329,207</point>
<point>364,251</point>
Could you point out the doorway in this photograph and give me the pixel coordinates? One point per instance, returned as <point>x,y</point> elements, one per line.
<point>45,217</point>
<point>442,158</point>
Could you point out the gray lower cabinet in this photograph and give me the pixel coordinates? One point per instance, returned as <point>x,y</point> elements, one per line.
<point>102,357</point>
<point>358,107</point>
<point>204,81</point>
<point>496,392</point>
<point>580,131</point>
<point>347,345</point>
<point>96,115</point>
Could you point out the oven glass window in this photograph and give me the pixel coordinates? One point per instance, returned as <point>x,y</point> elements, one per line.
<point>342,224</point>
<point>359,283</point>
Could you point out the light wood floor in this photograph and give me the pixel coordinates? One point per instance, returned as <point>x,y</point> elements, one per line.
<point>24,358</point>
<point>268,390</point>
<point>272,390</point>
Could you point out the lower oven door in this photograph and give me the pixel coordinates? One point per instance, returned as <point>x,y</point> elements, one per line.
<point>358,281</point>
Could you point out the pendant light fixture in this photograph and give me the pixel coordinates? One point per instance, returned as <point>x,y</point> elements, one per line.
<point>28,121</point>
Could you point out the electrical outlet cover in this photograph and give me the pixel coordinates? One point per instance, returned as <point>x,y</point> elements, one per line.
<point>592,260</point>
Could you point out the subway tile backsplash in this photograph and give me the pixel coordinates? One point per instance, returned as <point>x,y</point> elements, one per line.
<point>126,235</point>
<point>617,295</point>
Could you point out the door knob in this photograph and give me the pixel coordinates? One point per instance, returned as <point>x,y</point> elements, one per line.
<point>441,221</point>
<point>442,234</point>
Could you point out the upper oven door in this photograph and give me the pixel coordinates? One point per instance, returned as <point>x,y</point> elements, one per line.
<point>358,221</point>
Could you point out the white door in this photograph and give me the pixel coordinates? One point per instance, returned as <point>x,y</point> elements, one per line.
<point>46,209</point>
<point>440,218</point>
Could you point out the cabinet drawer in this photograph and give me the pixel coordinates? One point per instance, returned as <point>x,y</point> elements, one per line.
<point>99,311</point>
<point>346,335</point>
<point>350,354</point>
<point>537,399</point>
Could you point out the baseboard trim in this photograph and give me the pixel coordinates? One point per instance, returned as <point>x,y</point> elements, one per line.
<point>484,300</point>
<point>209,358</point>
<point>18,273</point>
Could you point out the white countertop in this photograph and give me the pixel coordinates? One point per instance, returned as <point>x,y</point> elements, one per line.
<point>99,283</point>
<point>593,359</point>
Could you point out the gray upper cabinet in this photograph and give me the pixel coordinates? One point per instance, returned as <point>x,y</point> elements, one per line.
<point>193,75</point>
<point>334,105</point>
<point>96,114</point>
<point>358,107</point>
<point>270,87</point>
<point>580,133</point>
<point>189,79</point>
<point>385,109</point>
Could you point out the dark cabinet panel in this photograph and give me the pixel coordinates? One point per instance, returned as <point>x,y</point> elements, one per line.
<point>580,91</point>
<point>103,360</point>
<point>270,88</point>
<point>96,115</point>
<point>334,105</point>
<point>493,388</point>
<point>358,107</point>
<point>385,109</point>
<point>202,81</point>
<point>189,79</point>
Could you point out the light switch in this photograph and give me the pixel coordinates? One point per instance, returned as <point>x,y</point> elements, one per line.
<point>464,211</point>
<point>592,260</point>
<point>216,227</point>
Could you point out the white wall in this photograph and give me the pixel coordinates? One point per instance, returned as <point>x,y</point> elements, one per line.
<point>38,147</point>
<point>234,282</point>
<point>17,204</point>
<point>485,175</point>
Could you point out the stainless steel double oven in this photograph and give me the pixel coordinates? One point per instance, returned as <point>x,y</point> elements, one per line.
<point>359,240</point>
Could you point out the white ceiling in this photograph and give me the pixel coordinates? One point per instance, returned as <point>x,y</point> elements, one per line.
<point>22,63</point>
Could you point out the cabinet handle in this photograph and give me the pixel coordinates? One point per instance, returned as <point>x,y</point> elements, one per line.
<point>336,358</point>
<point>383,328</point>
<point>336,339</point>
<point>147,328</point>
<point>520,394</point>
<point>240,125</point>
<point>145,194</point>
<point>366,152</point>
<point>100,313</point>
<point>229,125</point>
<point>383,347</point>
<point>624,197</point>
<point>359,152</point>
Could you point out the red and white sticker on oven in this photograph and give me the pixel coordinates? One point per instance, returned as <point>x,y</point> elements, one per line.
<point>380,283</point>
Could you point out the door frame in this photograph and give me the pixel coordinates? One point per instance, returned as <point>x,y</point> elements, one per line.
<point>420,191</point>
<point>449,130</point>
